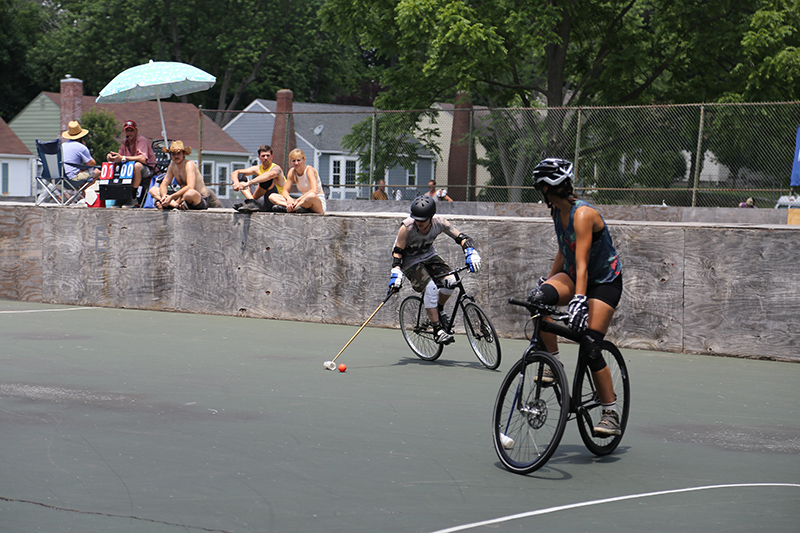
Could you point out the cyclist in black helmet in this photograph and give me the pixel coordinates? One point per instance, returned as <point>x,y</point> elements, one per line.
<point>415,257</point>
<point>586,275</point>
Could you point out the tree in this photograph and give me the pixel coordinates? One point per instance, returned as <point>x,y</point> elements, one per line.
<point>771,67</point>
<point>103,133</point>
<point>20,21</point>
<point>530,53</point>
<point>253,47</point>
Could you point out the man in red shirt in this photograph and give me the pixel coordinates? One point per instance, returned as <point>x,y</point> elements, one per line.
<point>136,148</point>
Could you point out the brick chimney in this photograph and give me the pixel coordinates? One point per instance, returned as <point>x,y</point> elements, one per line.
<point>281,145</point>
<point>71,100</point>
<point>458,171</point>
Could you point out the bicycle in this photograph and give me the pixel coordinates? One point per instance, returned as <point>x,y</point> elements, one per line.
<point>531,412</point>
<point>418,332</point>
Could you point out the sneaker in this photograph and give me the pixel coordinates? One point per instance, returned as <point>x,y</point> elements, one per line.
<point>608,425</point>
<point>443,337</point>
<point>547,376</point>
<point>237,206</point>
<point>301,210</point>
<point>278,208</point>
<point>250,206</point>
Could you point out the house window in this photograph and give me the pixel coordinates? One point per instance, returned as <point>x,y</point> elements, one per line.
<point>5,178</point>
<point>208,172</point>
<point>350,172</point>
<point>222,180</point>
<point>411,175</point>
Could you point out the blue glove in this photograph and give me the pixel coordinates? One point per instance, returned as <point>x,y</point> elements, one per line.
<point>473,259</point>
<point>396,281</point>
<point>578,313</point>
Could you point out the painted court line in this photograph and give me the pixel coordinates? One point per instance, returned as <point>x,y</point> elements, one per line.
<point>502,519</point>
<point>45,310</point>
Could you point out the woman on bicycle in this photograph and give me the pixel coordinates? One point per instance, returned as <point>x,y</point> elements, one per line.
<point>586,274</point>
<point>415,257</point>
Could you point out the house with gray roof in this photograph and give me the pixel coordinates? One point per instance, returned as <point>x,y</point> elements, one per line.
<point>318,131</point>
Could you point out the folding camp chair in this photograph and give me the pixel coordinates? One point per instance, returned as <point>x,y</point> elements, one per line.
<point>57,186</point>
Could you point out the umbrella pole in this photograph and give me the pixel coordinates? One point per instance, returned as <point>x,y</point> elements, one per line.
<point>163,127</point>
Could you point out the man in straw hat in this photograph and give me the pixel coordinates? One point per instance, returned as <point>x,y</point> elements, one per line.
<point>193,193</point>
<point>76,154</point>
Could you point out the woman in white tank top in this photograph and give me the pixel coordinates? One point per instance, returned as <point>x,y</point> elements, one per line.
<point>312,197</point>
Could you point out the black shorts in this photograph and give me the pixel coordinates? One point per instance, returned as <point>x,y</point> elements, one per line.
<point>610,293</point>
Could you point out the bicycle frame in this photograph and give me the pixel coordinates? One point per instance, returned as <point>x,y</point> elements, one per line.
<point>576,407</point>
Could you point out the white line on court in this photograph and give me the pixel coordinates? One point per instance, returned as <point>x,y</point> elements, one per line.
<point>606,500</point>
<point>46,310</point>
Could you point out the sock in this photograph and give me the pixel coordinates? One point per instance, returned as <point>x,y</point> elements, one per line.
<point>610,406</point>
<point>556,355</point>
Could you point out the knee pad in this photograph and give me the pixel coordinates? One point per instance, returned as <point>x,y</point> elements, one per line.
<point>549,294</point>
<point>431,296</point>
<point>447,284</point>
<point>590,350</point>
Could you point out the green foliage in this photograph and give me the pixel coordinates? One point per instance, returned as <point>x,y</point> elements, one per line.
<point>20,23</point>
<point>771,66</point>
<point>399,140</point>
<point>103,133</point>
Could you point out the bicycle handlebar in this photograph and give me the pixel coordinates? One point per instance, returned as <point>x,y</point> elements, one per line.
<point>539,308</point>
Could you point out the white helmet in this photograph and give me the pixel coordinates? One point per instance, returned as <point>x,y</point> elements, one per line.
<point>552,171</point>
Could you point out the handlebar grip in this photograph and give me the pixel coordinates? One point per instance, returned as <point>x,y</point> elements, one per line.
<point>521,303</point>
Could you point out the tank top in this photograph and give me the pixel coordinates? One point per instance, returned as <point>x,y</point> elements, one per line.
<point>604,263</point>
<point>304,185</point>
<point>419,246</point>
<point>262,170</point>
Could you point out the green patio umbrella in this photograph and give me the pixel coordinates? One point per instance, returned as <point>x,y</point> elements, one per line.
<point>153,81</point>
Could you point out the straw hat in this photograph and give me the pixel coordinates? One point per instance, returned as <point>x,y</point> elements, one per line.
<point>74,131</point>
<point>177,146</point>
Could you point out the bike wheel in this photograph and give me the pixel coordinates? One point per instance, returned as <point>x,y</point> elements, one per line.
<point>530,415</point>
<point>482,336</point>
<point>417,330</point>
<point>590,409</point>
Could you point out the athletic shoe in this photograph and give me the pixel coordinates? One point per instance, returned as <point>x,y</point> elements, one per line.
<point>547,376</point>
<point>608,425</point>
<point>303,210</point>
<point>237,206</point>
<point>277,208</point>
<point>443,337</point>
<point>250,206</point>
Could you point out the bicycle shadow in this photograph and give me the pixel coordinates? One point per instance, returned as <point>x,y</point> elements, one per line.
<point>448,363</point>
<point>570,454</point>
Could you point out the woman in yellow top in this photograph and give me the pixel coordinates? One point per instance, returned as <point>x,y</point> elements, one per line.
<point>312,197</point>
<point>268,176</point>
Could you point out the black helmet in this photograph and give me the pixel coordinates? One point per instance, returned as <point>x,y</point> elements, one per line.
<point>552,172</point>
<point>423,208</point>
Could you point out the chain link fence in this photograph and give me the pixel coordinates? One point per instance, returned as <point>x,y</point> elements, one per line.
<point>699,155</point>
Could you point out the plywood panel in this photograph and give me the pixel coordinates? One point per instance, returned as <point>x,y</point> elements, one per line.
<point>21,253</point>
<point>741,292</point>
<point>698,288</point>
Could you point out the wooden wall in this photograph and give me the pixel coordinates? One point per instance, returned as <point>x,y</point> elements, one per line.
<point>689,287</point>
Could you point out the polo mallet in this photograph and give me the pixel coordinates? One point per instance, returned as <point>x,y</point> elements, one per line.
<point>331,365</point>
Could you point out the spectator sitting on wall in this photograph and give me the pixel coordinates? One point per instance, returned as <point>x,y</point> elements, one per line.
<point>312,197</point>
<point>269,179</point>
<point>193,193</point>
<point>380,192</point>
<point>136,148</point>
<point>440,194</point>
<point>748,203</point>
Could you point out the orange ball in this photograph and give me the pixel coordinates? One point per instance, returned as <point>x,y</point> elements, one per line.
<point>342,367</point>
